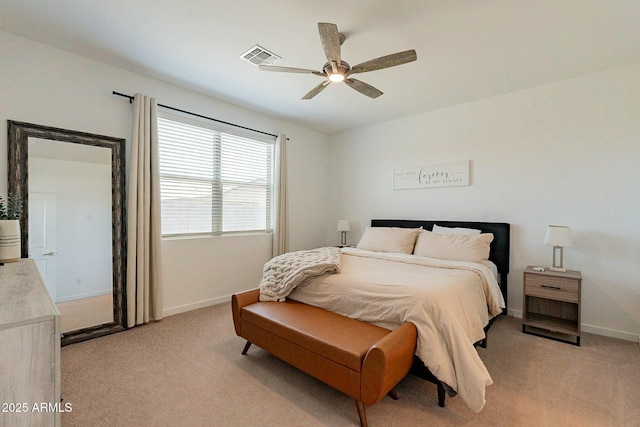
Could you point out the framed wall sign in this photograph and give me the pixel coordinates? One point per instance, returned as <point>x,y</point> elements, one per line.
<point>440,175</point>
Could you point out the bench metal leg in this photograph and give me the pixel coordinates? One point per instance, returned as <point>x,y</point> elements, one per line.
<point>246,348</point>
<point>362,414</point>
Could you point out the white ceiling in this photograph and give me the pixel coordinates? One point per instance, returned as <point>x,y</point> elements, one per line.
<point>467,49</point>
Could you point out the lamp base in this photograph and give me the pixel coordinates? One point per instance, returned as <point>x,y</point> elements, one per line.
<point>557,266</point>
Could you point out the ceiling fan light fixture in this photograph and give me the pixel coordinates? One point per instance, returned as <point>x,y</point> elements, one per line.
<point>337,75</point>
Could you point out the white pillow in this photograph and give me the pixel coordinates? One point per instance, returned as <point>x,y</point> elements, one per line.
<point>456,247</point>
<point>454,230</point>
<point>388,239</point>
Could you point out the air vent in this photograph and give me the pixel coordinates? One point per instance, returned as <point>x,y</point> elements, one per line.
<point>260,56</point>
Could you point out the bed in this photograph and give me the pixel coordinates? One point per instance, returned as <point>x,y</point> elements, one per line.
<point>452,302</point>
<point>499,248</point>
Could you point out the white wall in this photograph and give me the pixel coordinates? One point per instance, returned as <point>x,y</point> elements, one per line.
<point>43,85</point>
<point>565,153</point>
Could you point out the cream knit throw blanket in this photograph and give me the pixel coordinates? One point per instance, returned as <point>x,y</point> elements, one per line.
<point>283,273</point>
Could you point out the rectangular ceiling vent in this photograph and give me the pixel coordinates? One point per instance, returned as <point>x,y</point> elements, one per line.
<point>260,56</point>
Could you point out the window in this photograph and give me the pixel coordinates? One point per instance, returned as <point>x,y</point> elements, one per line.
<point>213,180</point>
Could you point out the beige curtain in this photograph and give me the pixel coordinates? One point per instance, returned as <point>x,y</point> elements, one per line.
<point>281,223</point>
<point>144,278</point>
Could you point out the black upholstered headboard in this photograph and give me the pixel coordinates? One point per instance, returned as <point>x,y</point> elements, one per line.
<point>499,254</point>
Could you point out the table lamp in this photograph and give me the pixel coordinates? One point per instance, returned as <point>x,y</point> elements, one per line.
<point>343,227</point>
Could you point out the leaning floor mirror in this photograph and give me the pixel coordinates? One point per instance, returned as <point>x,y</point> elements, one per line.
<point>71,184</point>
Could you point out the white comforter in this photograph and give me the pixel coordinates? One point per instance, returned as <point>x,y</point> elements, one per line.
<point>450,302</point>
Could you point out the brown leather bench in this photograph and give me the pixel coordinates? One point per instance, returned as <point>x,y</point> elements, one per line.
<point>359,359</point>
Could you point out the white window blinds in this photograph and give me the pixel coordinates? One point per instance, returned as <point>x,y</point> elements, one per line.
<point>213,181</point>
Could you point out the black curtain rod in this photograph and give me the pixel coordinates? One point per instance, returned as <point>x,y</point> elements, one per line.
<point>199,115</point>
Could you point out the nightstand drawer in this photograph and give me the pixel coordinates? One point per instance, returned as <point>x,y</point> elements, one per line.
<point>550,287</point>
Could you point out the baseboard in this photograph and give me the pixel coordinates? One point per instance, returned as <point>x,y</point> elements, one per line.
<point>196,305</point>
<point>610,333</point>
<point>83,296</point>
<point>514,313</point>
<point>597,330</point>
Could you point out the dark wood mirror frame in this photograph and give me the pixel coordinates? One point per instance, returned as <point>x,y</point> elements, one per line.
<point>18,184</point>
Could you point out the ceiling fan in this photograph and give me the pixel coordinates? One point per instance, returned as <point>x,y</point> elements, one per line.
<point>337,70</point>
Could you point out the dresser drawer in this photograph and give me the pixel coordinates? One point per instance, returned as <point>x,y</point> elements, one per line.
<point>550,287</point>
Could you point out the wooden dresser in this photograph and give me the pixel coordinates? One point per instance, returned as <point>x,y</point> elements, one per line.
<point>29,349</point>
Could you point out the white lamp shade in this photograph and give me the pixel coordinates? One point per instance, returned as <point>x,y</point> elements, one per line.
<point>558,235</point>
<point>343,225</point>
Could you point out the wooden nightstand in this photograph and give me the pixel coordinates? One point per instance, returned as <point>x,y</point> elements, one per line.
<point>551,304</point>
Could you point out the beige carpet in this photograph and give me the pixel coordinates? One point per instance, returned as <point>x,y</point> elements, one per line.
<point>85,312</point>
<point>187,370</point>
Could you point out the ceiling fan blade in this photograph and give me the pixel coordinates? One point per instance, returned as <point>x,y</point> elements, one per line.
<point>330,38</point>
<point>316,90</point>
<point>385,61</point>
<point>363,88</point>
<point>290,70</point>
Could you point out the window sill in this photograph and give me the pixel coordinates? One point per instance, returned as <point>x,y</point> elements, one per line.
<point>215,235</point>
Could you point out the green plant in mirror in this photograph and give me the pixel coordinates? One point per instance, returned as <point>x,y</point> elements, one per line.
<point>12,208</point>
